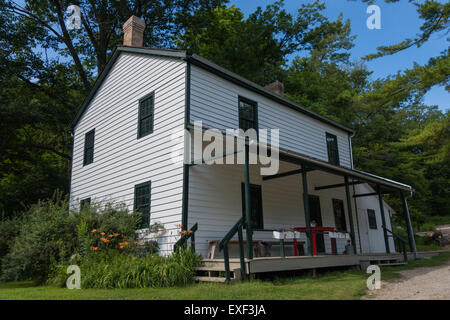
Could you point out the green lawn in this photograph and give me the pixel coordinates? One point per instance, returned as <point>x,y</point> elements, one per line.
<point>337,285</point>
<point>350,284</point>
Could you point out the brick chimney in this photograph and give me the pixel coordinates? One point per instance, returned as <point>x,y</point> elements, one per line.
<point>276,87</point>
<point>133,32</point>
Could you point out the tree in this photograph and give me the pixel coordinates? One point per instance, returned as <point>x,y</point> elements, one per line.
<point>46,71</point>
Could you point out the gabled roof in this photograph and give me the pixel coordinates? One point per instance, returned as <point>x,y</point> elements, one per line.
<point>204,64</point>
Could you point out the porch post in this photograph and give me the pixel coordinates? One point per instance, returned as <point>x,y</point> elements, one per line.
<point>409,229</point>
<point>383,219</point>
<point>306,207</point>
<point>248,225</point>
<point>350,214</point>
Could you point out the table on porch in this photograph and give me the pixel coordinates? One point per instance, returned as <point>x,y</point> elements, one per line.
<point>314,232</point>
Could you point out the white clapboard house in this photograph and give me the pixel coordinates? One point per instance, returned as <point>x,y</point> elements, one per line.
<point>124,145</point>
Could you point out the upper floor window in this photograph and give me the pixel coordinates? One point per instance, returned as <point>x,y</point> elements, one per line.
<point>339,215</point>
<point>372,219</point>
<point>248,114</point>
<point>146,115</point>
<point>256,205</point>
<point>332,148</point>
<point>89,147</point>
<point>142,194</point>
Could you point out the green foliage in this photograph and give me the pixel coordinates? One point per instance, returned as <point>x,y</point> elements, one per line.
<point>257,47</point>
<point>114,269</point>
<point>9,229</point>
<point>51,234</point>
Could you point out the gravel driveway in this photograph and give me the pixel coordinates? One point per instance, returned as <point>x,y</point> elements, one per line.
<point>430,283</point>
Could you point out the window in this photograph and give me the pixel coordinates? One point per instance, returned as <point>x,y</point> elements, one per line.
<point>332,148</point>
<point>339,215</point>
<point>248,114</point>
<point>142,202</point>
<point>146,115</point>
<point>256,205</point>
<point>372,219</point>
<point>85,202</point>
<point>89,147</point>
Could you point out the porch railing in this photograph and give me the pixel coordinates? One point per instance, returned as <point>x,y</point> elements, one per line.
<point>190,234</point>
<point>223,245</point>
<point>401,243</point>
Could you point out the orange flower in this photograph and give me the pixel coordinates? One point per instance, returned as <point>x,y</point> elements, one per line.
<point>110,235</point>
<point>94,230</point>
<point>94,248</point>
<point>190,231</point>
<point>180,225</point>
<point>121,247</point>
<point>102,233</point>
<point>183,232</point>
<point>165,230</point>
<point>134,258</point>
<point>104,239</point>
<point>115,234</point>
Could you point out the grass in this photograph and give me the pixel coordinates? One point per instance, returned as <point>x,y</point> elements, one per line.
<point>388,273</point>
<point>337,285</point>
<point>348,285</point>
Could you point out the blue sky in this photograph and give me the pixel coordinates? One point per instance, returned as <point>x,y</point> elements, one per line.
<point>398,22</point>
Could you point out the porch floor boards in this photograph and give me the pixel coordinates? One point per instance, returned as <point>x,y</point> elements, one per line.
<point>292,263</point>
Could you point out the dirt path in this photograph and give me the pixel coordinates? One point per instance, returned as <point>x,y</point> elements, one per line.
<point>431,283</point>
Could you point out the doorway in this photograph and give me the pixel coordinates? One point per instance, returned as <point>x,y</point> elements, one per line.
<point>316,216</point>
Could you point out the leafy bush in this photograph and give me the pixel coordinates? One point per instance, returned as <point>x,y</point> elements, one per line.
<point>9,229</point>
<point>52,235</point>
<point>114,269</point>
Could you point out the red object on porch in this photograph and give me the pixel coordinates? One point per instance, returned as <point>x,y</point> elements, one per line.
<point>314,231</point>
<point>295,247</point>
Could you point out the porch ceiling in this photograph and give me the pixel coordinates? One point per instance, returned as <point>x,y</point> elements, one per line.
<point>293,157</point>
<point>316,164</point>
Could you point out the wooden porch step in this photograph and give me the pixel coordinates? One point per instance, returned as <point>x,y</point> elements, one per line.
<point>393,264</point>
<point>209,279</point>
<point>211,268</point>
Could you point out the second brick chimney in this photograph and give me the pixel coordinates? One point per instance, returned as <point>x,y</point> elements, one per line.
<point>133,32</point>
<point>276,87</point>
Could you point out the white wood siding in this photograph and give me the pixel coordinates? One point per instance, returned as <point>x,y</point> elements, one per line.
<point>215,102</point>
<point>122,161</point>
<point>215,202</point>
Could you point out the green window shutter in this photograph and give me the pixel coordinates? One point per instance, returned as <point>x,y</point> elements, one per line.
<point>89,139</point>
<point>248,114</point>
<point>332,148</point>
<point>339,215</point>
<point>372,219</point>
<point>256,205</point>
<point>142,197</point>
<point>146,115</point>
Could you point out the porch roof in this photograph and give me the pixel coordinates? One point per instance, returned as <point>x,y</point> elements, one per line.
<point>294,157</point>
<point>314,163</point>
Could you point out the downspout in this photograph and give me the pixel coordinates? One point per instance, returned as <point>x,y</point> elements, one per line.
<point>354,190</point>
<point>186,166</point>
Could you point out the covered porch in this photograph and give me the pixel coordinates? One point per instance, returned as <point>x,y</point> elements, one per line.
<point>307,195</point>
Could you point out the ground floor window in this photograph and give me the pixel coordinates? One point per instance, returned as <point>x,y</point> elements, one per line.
<point>339,215</point>
<point>372,219</point>
<point>142,202</point>
<point>256,205</point>
<point>85,202</point>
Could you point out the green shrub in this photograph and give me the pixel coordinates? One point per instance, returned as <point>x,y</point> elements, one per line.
<point>9,229</point>
<point>115,269</point>
<point>52,235</point>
